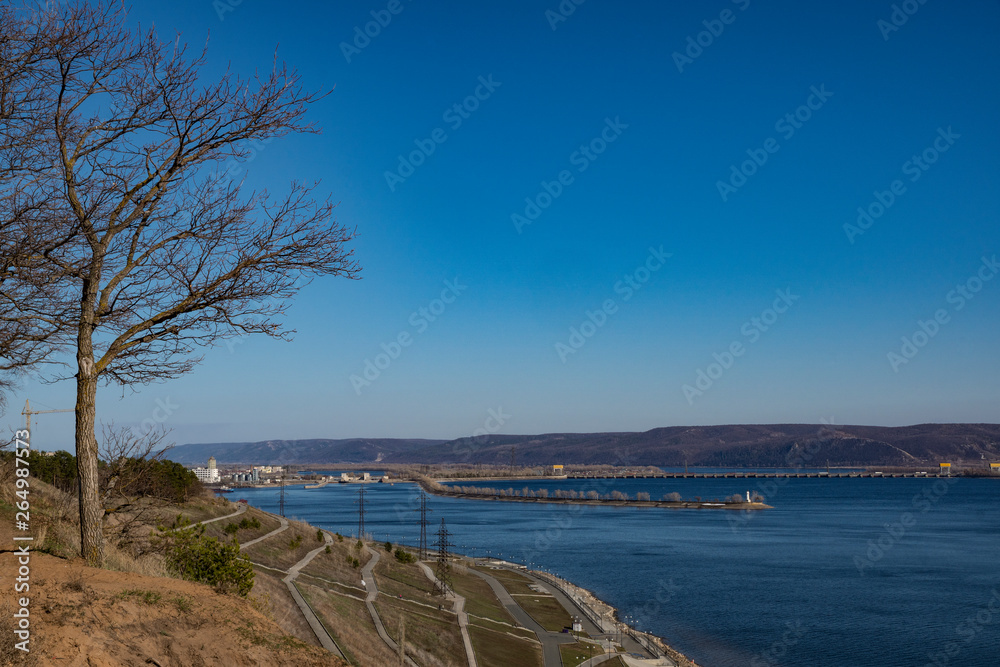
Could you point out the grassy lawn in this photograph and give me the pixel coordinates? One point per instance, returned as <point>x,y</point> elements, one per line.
<point>545,610</point>
<point>495,649</point>
<point>512,581</point>
<point>540,606</point>
<point>479,597</point>
<point>429,631</point>
<point>502,627</point>
<point>574,654</point>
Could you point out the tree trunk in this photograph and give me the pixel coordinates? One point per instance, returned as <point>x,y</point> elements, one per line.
<point>91,512</point>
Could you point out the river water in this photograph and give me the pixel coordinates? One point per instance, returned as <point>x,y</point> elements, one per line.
<point>841,572</point>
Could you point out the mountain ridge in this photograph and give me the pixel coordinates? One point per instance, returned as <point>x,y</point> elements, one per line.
<point>735,445</point>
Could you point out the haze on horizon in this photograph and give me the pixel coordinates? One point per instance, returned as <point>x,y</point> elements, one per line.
<point>592,222</point>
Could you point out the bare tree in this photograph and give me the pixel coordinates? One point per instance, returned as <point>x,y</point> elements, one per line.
<point>160,252</point>
<point>29,307</point>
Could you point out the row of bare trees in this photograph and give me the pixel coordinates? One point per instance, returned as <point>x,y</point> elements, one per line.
<point>123,248</point>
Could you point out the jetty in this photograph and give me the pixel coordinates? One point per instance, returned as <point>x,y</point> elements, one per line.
<point>748,475</point>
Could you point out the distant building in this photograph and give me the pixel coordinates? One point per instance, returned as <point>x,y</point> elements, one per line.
<point>557,469</point>
<point>206,475</point>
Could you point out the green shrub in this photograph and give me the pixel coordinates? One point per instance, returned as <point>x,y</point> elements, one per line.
<point>246,523</point>
<point>388,547</point>
<point>328,548</point>
<point>319,535</point>
<point>405,556</point>
<point>192,555</point>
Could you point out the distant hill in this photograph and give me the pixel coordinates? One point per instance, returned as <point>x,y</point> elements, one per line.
<point>747,445</point>
<point>279,452</point>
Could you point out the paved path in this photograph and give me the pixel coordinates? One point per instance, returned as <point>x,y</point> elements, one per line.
<point>574,607</point>
<point>242,508</point>
<point>321,634</point>
<point>284,526</point>
<point>550,640</point>
<point>368,576</point>
<point>325,640</point>
<point>459,609</point>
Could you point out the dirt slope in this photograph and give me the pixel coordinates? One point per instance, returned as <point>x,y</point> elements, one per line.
<point>97,618</point>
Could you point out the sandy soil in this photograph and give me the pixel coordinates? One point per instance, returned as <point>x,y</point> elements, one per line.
<point>92,617</point>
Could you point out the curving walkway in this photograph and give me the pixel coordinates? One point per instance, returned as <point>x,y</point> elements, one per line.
<point>459,609</point>
<point>550,640</point>
<point>317,627</point>
<point>241,510</point>
<point>325,640</point>
<point>284,526</point>
<point>572,605</point>
<point>368,576</point>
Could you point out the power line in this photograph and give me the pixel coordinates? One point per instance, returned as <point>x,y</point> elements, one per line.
<point>281,497</point>
<point>443,569</point>
<point>361,511</point>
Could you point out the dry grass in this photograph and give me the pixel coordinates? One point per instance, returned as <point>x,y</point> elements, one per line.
<point>496,649</point>
<point>429,632</point>
<point>286,548</point>
<point>267,524</point>
<point>283,609</point>
<point>9,654</point>
<point>347,619</point>
<point>333,566</point>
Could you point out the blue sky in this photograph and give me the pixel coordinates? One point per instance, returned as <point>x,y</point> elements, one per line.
<point>851,296</point>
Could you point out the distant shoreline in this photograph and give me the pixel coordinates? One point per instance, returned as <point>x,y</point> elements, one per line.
<point>436,489</point>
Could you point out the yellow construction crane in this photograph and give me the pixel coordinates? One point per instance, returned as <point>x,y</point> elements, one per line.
<point>27,412</point>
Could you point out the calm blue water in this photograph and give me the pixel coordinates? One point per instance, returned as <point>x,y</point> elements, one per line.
<point>805,583</point>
